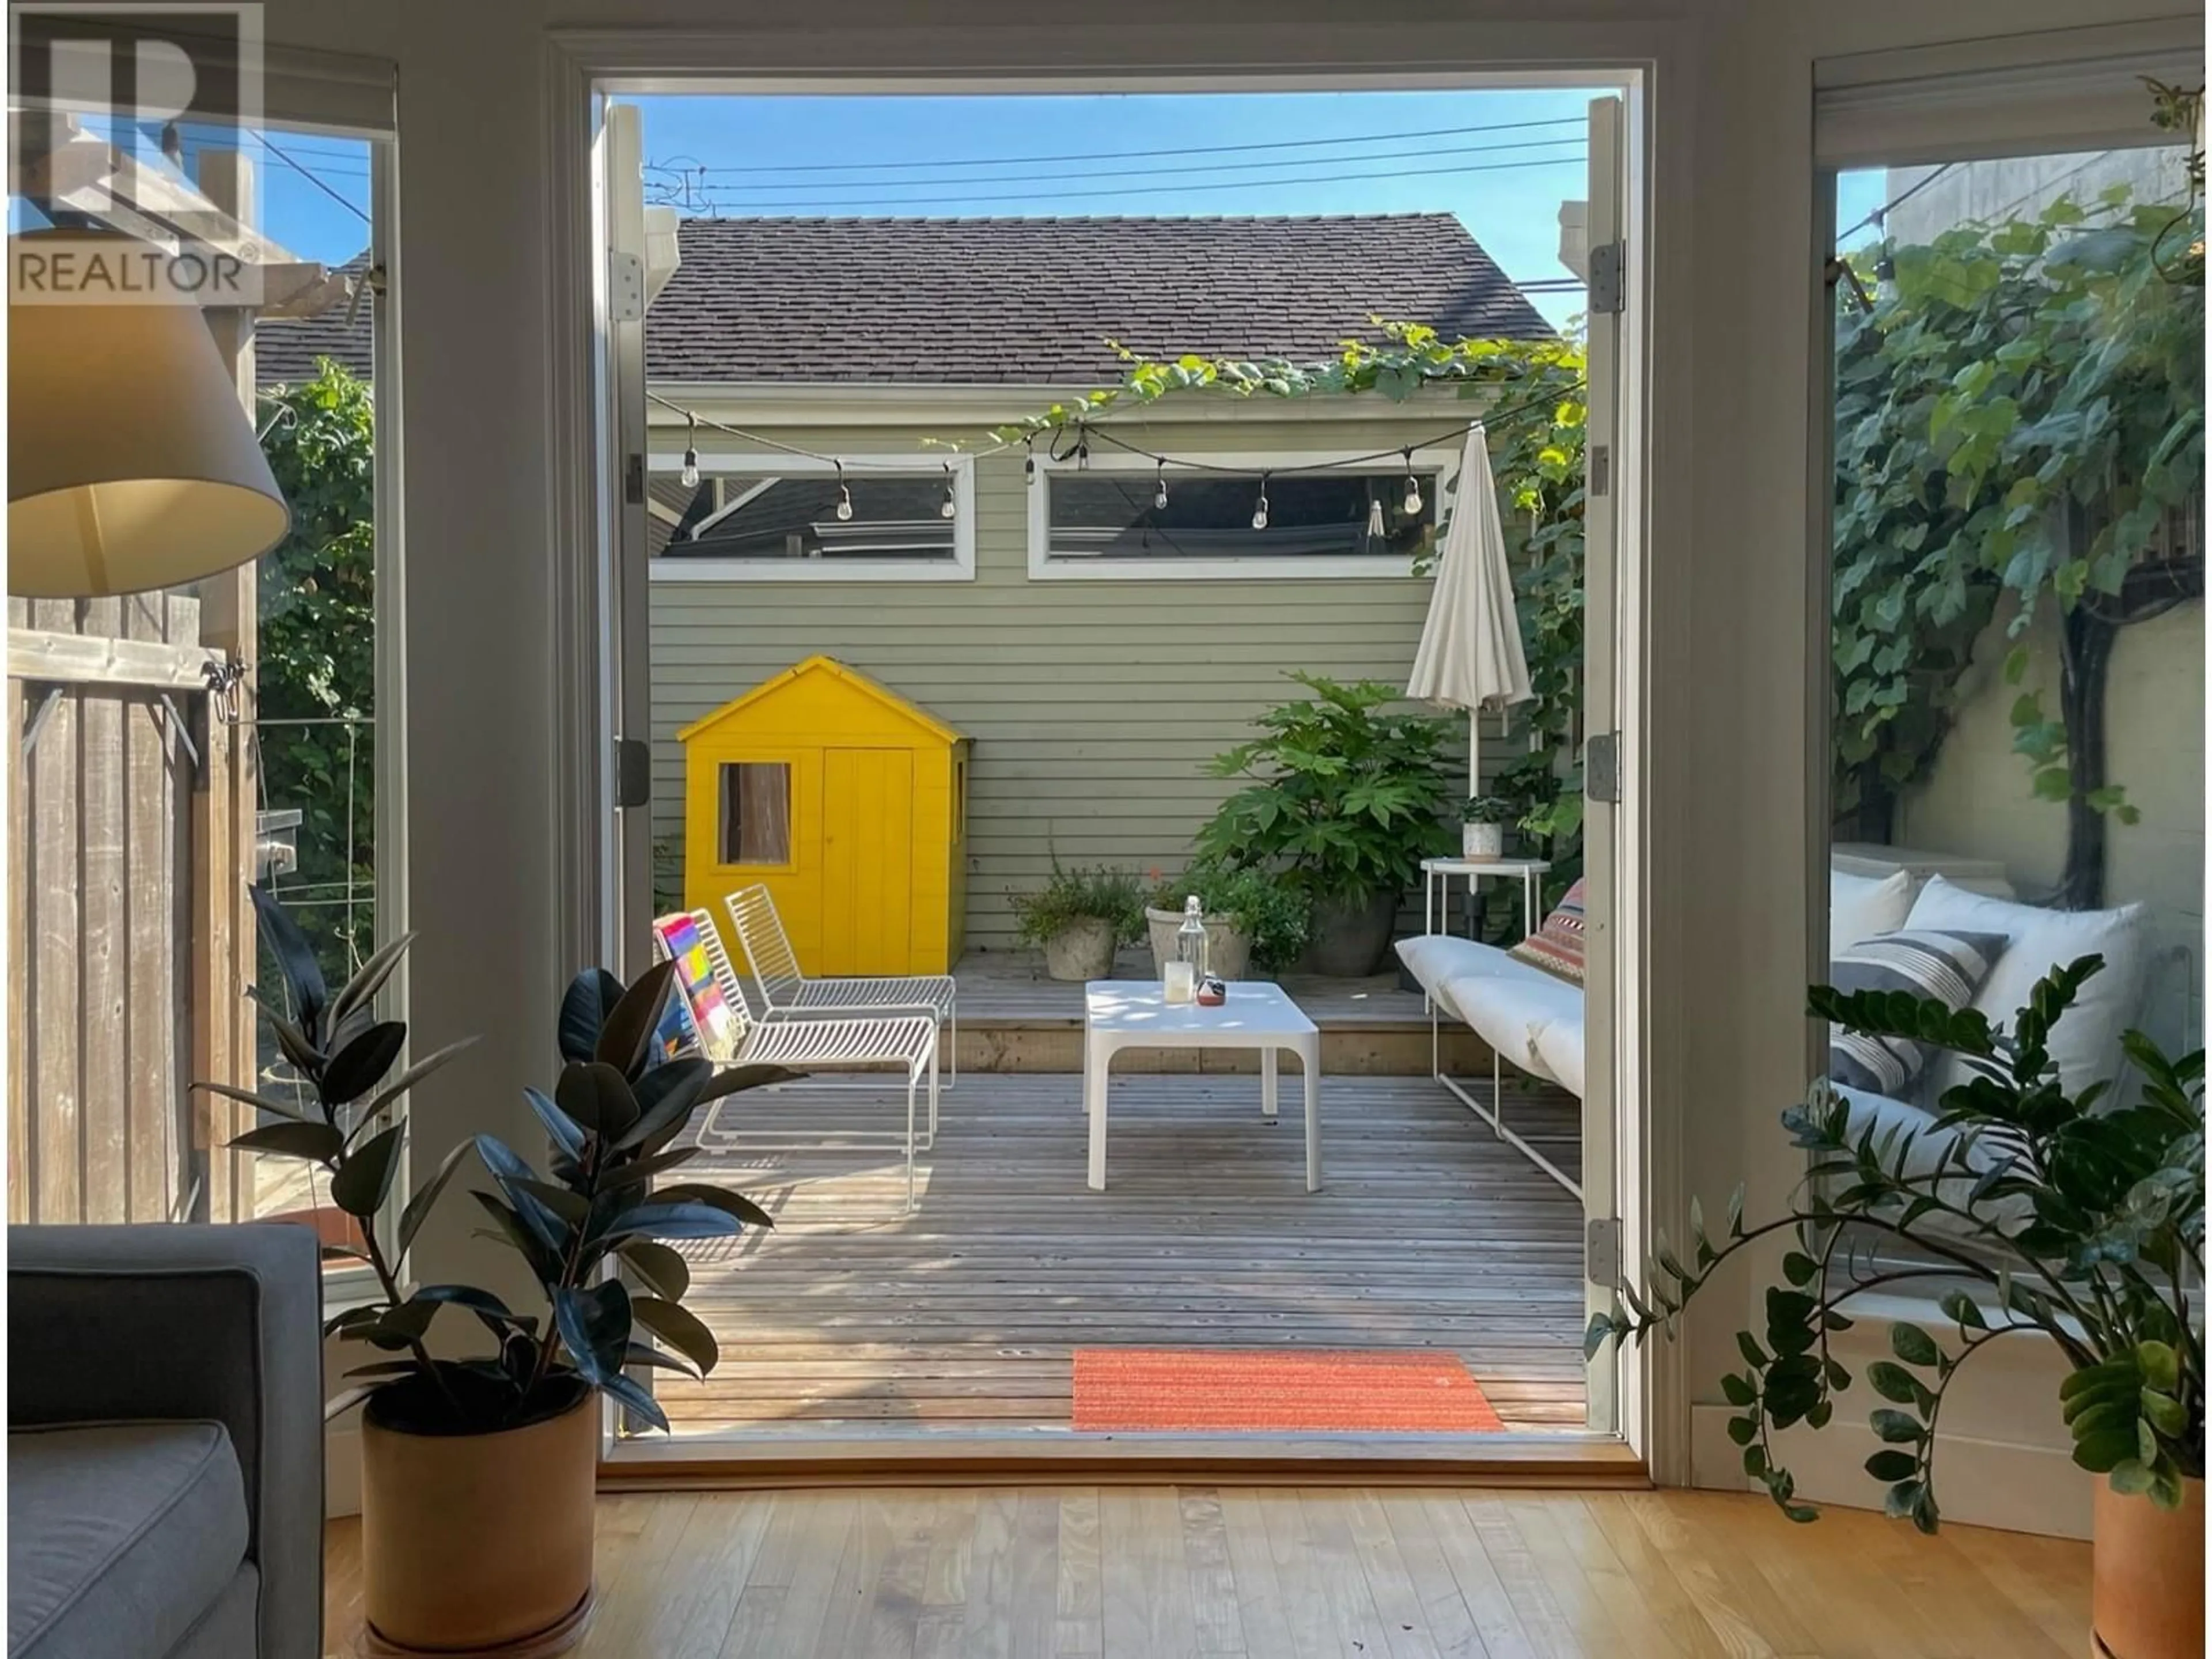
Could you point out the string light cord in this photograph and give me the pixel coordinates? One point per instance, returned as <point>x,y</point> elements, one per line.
<point>1071,441</point>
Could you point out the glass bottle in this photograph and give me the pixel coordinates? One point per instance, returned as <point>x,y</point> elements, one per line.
<point>1191,940</point>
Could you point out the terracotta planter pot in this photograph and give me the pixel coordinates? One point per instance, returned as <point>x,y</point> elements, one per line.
<point>479,1544</point>
<point>2149,1576</point>
<point>1082,950</point>
<point>1228,952</point>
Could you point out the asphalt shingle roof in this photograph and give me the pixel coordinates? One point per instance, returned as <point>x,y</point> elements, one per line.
<point>1035,300</point>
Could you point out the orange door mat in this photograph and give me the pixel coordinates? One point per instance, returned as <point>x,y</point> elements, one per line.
<point>1252,1389</point>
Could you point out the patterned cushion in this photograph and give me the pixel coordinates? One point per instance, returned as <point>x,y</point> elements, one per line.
<point>1948,966</point>
<point>1557,947</point>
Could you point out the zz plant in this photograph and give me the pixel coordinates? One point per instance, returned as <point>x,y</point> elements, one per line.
<point>2046,1215</point>
<point>612,1122</point>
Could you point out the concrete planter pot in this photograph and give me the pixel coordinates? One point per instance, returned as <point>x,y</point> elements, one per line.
<point>1083,950</point>
<point>1482,840</point>
<point>1349,938</point>
<point>1228,951</point>
<point>2148,1577</point>
<point>479,1544</point>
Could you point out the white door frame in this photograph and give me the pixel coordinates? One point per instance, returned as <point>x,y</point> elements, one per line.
<point>583,65</point>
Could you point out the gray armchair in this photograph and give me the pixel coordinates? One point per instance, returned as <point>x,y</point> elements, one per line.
<point>165,1443</point>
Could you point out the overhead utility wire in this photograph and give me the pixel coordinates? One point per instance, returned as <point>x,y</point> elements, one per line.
<point>1150,190</point>
<point>1896,200</point>
<point>361,213</point>
<point>1137,155</point>
<point>1138,173</point>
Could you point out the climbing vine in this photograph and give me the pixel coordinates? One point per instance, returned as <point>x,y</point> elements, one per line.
<point>1536,444</point>
<point>2020,418</point>
<point>317,648</point>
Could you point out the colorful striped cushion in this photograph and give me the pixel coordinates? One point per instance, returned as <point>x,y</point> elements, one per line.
<point>1557,947</point>
<point>1947,966</point>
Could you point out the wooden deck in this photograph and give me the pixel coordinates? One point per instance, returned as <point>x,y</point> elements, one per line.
<point>853,1316</point>
<point>998,986</point>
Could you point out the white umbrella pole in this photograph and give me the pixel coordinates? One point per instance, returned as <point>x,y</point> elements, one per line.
<point>1473,752</point>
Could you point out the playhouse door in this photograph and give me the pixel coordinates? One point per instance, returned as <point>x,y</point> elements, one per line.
<point>867,862</point>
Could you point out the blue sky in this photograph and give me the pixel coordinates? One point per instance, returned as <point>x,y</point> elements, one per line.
<point>1365,152</point>
<point>979,154</point>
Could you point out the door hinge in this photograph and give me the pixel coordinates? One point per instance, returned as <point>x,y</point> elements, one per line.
<point>625,286</point>
<point>1609,272</point>
<point>632,773</point>
<point>1599,472</point>
<point>1602,1250</point>
<point>1602,767</point>
<point>634,480</point>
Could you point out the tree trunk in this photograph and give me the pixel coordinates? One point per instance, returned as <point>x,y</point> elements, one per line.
<point>2085,656</point>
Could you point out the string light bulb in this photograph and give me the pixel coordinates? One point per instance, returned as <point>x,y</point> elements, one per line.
<point>1260,507</point>
<point>1160,487</point>
<point>1412,502</point>
<point>844,496</point>
<point>691,473</point>
<point>947,507</point>
<point>1028,460</point>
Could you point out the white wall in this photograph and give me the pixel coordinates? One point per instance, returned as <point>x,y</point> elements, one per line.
<point>1729,673</point>
<point>1977,798</point>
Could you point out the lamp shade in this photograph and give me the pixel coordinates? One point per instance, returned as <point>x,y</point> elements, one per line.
<point>131,463</point>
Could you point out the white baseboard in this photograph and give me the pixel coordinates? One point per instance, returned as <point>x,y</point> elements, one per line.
<point>342,1467</point>
<point>2003,1457</point>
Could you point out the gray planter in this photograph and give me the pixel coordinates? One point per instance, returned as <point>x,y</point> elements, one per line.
<point>1348,940</point>
<point>1228,952</point>
<point>1081,951</point>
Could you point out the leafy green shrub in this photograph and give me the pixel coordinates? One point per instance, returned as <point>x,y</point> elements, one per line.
<point>1270,912</point>
<point>1071,896</point>
<point>1345,798</point>
<point>2072,1220</point>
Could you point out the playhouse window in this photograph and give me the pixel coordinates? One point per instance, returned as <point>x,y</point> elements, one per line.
<point>1323,522</point>
<point>756,813</point>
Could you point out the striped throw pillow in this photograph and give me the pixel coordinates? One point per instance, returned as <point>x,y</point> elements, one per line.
<point>1557,947</point>
<point>1949,967</point>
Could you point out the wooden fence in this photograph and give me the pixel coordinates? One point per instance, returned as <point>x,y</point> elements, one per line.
<point>130,937</point>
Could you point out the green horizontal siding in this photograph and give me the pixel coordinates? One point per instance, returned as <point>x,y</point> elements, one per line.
<point>1094,706</point>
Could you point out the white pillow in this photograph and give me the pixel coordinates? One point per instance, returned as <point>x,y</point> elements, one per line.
<point>1859,907</point>
<point>1433,958</point>
<point>2086,1044</point>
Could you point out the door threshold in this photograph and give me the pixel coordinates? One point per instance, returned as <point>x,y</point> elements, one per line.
<point>1583,1461</point>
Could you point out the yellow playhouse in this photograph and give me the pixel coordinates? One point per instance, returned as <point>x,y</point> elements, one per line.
<point>849,802</point>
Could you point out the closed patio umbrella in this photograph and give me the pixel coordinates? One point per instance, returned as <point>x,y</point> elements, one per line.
<point>1470,654</point>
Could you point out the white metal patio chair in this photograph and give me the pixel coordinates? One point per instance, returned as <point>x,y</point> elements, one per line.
<point>893,1038</point>
<point>787,990</point>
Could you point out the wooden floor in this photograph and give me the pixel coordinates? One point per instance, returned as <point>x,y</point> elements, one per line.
<point>1158,1573</point>
<point>854,1315</point>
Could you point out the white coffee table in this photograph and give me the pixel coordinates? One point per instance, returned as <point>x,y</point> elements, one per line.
<point>1121,1014</point>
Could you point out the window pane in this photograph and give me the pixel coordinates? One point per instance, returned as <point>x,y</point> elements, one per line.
<point>752,516</point>
<point>1115,514</point>
<point>755,812</point>
<point>2017,616</point>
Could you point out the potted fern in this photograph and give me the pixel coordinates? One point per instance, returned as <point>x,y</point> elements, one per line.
<point>479,1461</point>
<point>2053,1216</point>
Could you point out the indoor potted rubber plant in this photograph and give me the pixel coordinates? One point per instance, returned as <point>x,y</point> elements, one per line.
<point>1081,919</point>
<point>2053,1214</point>
<point>1482,822</point>
<point>478,1467</point>
<point>1254,922</point>
<point>1344,795</point>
